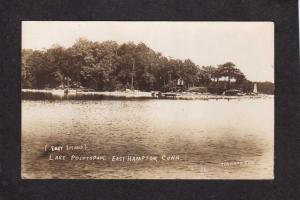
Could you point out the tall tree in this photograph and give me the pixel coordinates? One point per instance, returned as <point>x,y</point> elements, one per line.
<point>109,66</point>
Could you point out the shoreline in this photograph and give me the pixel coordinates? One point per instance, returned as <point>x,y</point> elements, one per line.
<point>58,94</point>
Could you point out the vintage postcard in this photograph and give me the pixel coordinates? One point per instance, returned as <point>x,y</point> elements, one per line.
<point>147,100</point>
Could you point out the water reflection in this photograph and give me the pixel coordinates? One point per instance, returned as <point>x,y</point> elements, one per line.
<point>203,133</point>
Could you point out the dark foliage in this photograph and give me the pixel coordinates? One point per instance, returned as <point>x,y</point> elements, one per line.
<point>108,66</point>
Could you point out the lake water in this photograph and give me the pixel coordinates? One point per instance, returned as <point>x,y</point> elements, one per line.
<point>213,139</point>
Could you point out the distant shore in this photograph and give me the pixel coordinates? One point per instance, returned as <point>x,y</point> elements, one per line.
<point>59,94</point>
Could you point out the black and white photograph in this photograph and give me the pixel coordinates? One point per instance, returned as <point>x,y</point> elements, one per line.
<point>147,100</point>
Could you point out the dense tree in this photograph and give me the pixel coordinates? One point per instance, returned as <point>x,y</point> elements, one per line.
<point>42,73</point>
<point>206,74</point>
<point>26,74</point>
<point>99,64</point>
<point>265,87</point>
<point>110,66</point>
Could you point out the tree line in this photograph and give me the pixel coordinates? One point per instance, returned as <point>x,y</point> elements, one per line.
<point>108,66</point>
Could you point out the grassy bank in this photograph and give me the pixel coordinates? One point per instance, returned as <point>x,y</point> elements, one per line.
<point>59,95</point>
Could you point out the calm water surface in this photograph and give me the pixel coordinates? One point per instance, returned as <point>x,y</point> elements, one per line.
<point>214,139</point>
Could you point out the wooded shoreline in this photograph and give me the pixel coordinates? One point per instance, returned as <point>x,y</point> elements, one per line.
<point>109,66</point>
<point>32,94</point>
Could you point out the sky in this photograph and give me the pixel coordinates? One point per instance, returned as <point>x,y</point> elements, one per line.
<point>249,45</point>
